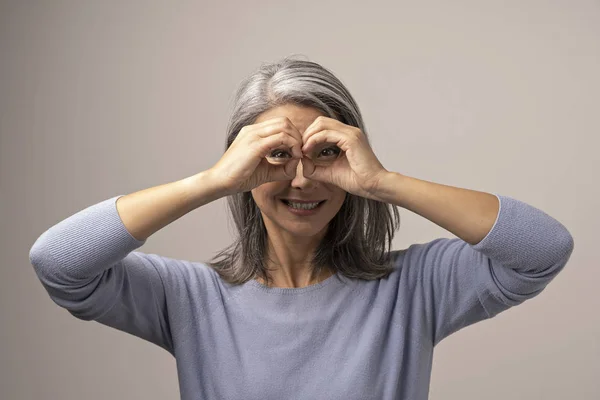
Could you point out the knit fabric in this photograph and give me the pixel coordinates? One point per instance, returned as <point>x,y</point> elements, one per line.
<point>341,338</point>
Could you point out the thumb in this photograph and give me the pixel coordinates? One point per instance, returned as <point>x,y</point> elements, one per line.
<point>312,171</point>
<point>308,167</point>
<point>286,171</point>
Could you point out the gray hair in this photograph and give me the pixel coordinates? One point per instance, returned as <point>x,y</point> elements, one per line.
<point>355,242</point>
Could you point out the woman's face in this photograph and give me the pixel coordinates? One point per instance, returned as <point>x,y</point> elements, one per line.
<point>276,214</point>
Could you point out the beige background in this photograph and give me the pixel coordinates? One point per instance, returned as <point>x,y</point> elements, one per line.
<point>105,98</point>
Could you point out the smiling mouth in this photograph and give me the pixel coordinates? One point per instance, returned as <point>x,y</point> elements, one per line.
<point>287,203</point>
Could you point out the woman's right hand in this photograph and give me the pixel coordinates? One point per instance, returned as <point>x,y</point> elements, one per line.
<point>264,152</point>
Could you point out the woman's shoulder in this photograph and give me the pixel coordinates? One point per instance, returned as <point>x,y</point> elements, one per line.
<point>180,271</point>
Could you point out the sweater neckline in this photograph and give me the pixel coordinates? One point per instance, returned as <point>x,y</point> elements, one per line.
<point>336,278</point>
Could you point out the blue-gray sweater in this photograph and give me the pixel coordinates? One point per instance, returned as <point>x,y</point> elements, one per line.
<point>341,338</point>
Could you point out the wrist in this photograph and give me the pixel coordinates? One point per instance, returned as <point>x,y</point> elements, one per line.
<point>202,188</point>
<point>388,187</point>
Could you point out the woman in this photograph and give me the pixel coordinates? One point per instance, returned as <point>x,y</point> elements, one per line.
<point>308,303</point>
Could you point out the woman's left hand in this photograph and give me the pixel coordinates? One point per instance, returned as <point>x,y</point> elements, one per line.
<point>357,170</point>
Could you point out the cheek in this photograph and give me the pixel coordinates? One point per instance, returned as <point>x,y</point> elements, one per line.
<point>340,196</point>
<point>266,195</point>
<point>336,202</point>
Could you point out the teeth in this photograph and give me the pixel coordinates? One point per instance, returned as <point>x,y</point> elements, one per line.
<point>303,206</point>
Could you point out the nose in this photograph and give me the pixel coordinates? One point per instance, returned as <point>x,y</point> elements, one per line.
<point>302,182</point>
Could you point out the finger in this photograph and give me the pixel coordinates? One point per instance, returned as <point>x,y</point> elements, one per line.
<point>321,123</point>
<point>315,172</point>
<point>291,167</point>
<point>285,172</point>
<point>340,139</point>
<point>282,141</point>
<point>308,167</point>
<point>282,124</point>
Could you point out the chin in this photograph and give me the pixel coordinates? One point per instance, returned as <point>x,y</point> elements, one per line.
<point>308,232</point>
<point>304,228</point>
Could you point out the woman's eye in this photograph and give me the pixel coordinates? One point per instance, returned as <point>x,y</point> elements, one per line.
<point>334,150</point>
<point>278,153</point>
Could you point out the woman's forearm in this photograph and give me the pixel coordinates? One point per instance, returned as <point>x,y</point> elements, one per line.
<point>146,211</point>
<point>469,214</point>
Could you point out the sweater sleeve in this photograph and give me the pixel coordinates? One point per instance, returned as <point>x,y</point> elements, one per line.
<point>462,283</point>
<point>87,265</point>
